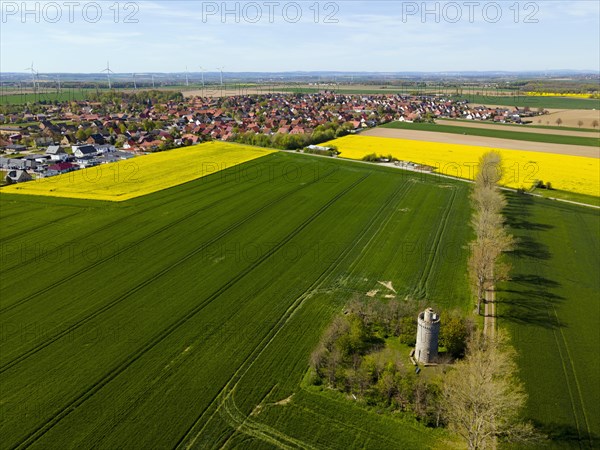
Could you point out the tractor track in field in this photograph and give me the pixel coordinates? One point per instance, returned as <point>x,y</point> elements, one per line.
<point>567,382</point>
<point>568,365</point>
<point>342,425</point>
<point>152,207</point>
<point>91,233</point>
<point>145,283</point>
<point>402,191</point>
<point>224,397</point>
<point>25,209</point>
<point>575,377</point>
<point>421,288</point>
<point>255,428</point>
<point>112,255</point>
<point>116,371</point>
<point>16,211</point>
<point>28,230</point>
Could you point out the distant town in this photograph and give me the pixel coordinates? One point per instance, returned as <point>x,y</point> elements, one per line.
<point>43,140</point>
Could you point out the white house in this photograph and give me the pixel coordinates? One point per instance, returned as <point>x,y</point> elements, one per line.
<point>83,151</point>
<point>105,148</point>
<point>56,153</point>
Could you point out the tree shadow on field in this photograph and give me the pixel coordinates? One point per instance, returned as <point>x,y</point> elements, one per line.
<point>517,213</point>
<point>535,280</point>
<point>567,435</point>
<point>526,300</point>
<point>529,307</point>
<point>527,247</point>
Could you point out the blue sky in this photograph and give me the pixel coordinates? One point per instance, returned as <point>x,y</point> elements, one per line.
<point>384,36</point>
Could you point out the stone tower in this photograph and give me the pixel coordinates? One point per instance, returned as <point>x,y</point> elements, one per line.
<point>428,332</point>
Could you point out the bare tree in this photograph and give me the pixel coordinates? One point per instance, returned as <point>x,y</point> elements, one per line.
<point>488,198</point>
<point>490,169</point>
<point>489,226</point>
<point>481,397</point>
<point>595,124</point>
<point>580,123</point>
<point>480,265</point>
<point>559,121</point>
<point>492,238</point>
<point>485,269</point>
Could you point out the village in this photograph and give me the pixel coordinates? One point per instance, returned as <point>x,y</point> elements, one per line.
<point>59,138</point>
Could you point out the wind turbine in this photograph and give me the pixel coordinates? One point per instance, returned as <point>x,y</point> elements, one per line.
<point>202,69</point>
<point>153,81</point>
<point>108,72</point>
<point>58,83</point>
<point>187,78</point>
<point>134,82</point>
<point>33,75</point>
<point>220,69</point>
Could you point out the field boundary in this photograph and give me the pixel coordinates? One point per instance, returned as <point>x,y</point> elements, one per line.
<point>450,177</point>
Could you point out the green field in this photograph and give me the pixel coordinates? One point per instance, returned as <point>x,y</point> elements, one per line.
<point>551,309</point>
<point>525,127</point>
<point>532,101</point>
<point>502,134</point>
<point>184,317</point>
<point>566,195</point>
<point>66,95</point>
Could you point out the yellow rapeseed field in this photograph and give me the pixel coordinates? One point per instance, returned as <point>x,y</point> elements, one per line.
<point>521,168</point>
<point>143,175</point>
<point>558,94</point>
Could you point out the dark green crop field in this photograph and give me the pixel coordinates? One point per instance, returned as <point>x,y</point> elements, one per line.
<point>501,134</point>
<point>552,310</point>
<point>184,317</point>
<point>64,96</point>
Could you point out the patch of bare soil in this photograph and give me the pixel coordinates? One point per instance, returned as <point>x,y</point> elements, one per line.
<point>569,117</point>
<point>480,141</point>
<point>388,285</point>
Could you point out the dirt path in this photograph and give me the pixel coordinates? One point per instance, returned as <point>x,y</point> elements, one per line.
<point>489,321</point>
<point>480,141</point>
<point>517,128</point>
